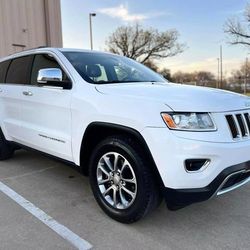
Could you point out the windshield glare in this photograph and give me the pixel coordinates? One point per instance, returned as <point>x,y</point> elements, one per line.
<point>102,68</point>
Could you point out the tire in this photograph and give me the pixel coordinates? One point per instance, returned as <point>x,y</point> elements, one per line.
<point>135,175</point>
<point>6,149</point>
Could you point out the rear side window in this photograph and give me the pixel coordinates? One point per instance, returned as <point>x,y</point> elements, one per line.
<point>3,70</point>
<point>19,70</point>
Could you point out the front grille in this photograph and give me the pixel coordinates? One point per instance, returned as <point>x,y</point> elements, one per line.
<point>239,125</point>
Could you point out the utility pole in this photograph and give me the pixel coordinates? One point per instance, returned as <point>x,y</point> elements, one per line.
<point>221,68</point>
<point>246,75</point>
<point>90,29</point>
<point>218,76</point>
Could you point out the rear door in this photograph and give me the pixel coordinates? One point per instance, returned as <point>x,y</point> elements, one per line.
<point>46,112</point>
<point>15,75</point>
<point>3,71</point>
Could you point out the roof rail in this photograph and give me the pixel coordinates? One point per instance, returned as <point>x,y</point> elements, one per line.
<point>38,47</point>
<point>27,49</point>
<point>41,47</point>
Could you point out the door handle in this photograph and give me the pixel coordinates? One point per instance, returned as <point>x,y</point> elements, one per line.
<point>27,93</point>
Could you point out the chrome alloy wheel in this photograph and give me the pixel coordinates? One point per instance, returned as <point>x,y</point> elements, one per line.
<point>116,180</point>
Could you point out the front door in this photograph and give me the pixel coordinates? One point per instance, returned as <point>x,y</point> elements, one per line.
<point>45,113</point>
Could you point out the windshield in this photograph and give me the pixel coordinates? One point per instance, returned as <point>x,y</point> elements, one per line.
<point>102,68</point>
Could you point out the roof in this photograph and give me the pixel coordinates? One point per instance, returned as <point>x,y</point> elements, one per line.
<point>47,49</point>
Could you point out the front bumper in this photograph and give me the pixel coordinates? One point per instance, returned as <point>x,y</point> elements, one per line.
<point>229,179</point>
<point>229,166</point>
<point>170,151</point>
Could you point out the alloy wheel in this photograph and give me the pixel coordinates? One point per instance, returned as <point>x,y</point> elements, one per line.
<point>116,180</point>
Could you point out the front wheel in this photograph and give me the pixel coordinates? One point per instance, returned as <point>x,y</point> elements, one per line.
<point>121,180</point>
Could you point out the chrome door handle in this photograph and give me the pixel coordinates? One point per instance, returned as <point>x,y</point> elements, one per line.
<point>27,93</point>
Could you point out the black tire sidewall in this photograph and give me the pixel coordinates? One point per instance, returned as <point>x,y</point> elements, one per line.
<point>143,188</point>
<point>6,150</point>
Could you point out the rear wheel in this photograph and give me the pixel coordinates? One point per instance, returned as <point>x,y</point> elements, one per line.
<point>121,180</point>
<point>6,149</point>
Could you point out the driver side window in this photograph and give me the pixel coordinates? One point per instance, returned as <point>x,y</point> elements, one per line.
<point>43,61</point>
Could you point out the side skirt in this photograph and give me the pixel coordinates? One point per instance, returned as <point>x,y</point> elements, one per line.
<point>21,146</point>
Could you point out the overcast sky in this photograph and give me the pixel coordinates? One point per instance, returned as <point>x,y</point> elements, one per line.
<point>200,24</point>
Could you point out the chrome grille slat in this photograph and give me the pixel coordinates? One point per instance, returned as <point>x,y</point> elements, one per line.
<point>232,126</point>
<point>245,124</point>
<point>239,125</point>
<point>246,115</point>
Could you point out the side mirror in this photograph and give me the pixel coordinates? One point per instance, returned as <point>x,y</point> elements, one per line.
<point>53,77</point>
<point>49,75</point>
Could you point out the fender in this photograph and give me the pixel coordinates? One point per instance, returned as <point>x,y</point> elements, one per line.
<point>97,131</point>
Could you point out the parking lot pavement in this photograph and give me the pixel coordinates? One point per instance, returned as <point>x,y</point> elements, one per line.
<point>64,194</point>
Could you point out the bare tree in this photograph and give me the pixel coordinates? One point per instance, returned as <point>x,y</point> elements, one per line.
<point>201,78</point>
<point>239,29</point>
<point>166,73</point>
<point>239,75</point>
<point>152,65</point>
<point>183,77</point>
<point>144,44</point>
<point>204,77</point>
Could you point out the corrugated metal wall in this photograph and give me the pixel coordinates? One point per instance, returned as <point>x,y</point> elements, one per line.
<point>27,24</point>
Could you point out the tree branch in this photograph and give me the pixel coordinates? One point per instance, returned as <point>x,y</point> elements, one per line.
<point>144,44</point>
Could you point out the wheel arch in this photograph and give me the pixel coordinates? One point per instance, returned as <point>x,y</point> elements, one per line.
<point>98,131</point>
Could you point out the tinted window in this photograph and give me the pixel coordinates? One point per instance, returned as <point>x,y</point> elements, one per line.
<point>107,68</point>
<point>19,70</point>
<point>43,61</point>
<point>3,70</point>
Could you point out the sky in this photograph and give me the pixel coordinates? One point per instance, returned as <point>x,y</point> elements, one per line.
<point>200,24</point>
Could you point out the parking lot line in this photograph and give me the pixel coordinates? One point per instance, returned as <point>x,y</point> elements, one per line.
<point>60,229</point>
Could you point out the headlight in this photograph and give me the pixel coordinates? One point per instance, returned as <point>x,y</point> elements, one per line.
<point>189,121</point>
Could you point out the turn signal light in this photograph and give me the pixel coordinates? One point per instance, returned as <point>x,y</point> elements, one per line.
<point>168,120</point>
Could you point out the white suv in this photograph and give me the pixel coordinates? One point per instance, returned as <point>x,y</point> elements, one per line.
<point>139,137</point>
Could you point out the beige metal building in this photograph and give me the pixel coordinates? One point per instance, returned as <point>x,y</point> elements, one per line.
<point>26,24</point>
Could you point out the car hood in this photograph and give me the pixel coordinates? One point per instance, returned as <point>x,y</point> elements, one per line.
<point>180,97</point>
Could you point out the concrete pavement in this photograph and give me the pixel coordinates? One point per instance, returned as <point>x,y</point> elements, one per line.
<point>64,194</point>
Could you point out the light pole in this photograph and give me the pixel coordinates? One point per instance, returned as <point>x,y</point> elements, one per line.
<point>218,78</point>
<point>90,29</point>
<point>221,69</point>
<point>246,75</point>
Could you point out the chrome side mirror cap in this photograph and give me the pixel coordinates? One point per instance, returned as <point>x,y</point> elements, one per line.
<point>49,75</point>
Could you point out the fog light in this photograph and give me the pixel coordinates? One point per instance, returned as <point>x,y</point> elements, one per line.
<point>194,165</point>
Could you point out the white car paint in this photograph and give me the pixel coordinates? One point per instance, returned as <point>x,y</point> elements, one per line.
<point>178,97</point>
<point>65,115</point>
